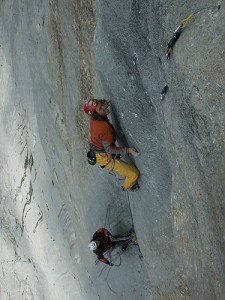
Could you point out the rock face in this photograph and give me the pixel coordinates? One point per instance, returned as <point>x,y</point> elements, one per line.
<point>53,55</point>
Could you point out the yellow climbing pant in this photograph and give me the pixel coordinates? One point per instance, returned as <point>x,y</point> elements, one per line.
<point>130,172</point>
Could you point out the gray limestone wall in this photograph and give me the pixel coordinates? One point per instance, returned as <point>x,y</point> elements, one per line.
<point>53,55</point>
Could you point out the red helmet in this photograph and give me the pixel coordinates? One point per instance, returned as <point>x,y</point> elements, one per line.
<point>90,106</point>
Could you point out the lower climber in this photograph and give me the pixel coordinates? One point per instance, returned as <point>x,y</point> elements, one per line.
<point>102,241</point>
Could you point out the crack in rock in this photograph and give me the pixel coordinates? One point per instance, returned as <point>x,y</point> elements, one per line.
<point>28,202</point>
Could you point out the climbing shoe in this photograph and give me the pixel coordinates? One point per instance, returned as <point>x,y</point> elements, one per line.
<point>135,187</point>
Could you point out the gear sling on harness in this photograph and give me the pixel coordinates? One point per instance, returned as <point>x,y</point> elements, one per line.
<point>91,154</point>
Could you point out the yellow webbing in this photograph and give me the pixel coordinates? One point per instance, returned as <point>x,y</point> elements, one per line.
<point>184,21</point>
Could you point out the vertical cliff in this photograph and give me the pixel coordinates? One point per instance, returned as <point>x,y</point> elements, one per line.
<point>53,55</point>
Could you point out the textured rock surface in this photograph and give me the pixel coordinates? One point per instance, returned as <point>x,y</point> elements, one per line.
<point>55,53</point>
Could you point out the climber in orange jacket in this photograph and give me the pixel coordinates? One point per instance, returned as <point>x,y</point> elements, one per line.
<point>101,242</point>
<point>103,140</point>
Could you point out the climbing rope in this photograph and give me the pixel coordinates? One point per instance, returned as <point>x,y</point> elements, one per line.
<point>184,22</point>
<point>128,201</point>
<point>181,27</point>
<point>107,218</point>
<point>106,278</point>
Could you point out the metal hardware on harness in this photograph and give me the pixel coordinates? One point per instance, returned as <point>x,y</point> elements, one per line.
<point>113,162</point>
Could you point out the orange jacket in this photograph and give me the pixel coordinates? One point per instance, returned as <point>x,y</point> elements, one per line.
<point>102,235</point>
<point>103,136</point>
